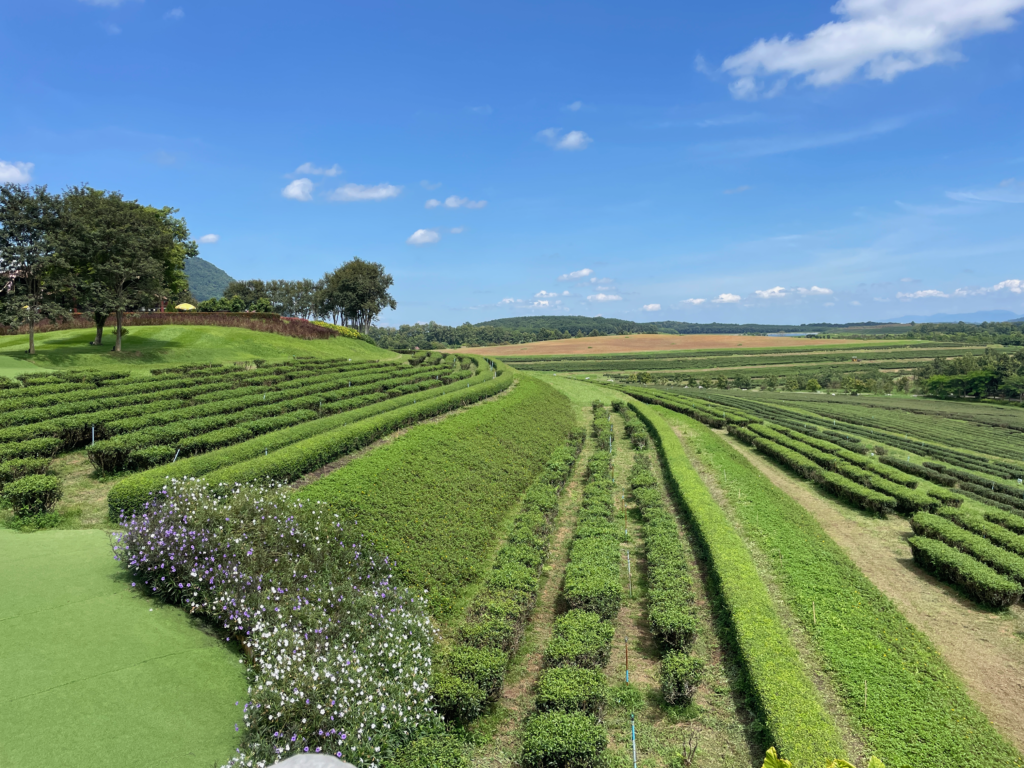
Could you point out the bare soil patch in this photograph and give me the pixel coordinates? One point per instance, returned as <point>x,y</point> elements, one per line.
<point>652,342</point>
<point>983,647</point>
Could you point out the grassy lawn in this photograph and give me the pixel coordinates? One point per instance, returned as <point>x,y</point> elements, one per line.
<point>147,346</point>
<point>95,675</point>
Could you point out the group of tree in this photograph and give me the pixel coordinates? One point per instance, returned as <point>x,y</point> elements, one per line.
<point>354,295</point>
<point>1009,334</point>
<point>88,250</point>
<point>991,374</point>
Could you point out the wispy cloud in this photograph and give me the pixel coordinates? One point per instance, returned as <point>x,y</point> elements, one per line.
<point>1013,286</point>
<point>300,189</point>
<point>652,307</point>
<point>695,302</point>
<point>15,173</point>
<point>430,185</point>
<point>576,106</point>
<point>571,141</point>
<point>457,230</point>
<point>308,169</point>
<point>772,293</point>
<point>175,14</point>
<point>351,193</point>
<point>484,109</point>
<point>777,145</point>
<point>585,272</point>
<point>423,237</point>
<point>207,239</point>
<point>1008,191</point>
<point>454,201</point>
<point>726,298</point>
<point>930,293</point>
<point>604,297</point>
<point>880,38</point>
<point>736,191</point>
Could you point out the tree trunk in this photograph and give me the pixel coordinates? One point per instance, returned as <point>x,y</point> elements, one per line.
<point>100,320</point>
<point>31,334</point>
<point>117,336</point>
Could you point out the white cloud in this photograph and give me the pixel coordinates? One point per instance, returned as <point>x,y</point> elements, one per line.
<point>540,303</point>
<point>881,38</point>
<point>652,307</point>
<point>175,14</point>
<point>700,64</point>
<point>312,170</point>
<point>736,191</point>
<point>103,3</point>
<point>423,237</point>
<point>576,106</point>
<point>300,189</point>
<point>814,290</point>
<point>112,29</point>
<point>431,203</point>
<point>926,294</point>
<point>209,238</point>
<point>510,301</point>
<point>350,193</point>
<point>909,280</point>
<point>430,186</point>
<point>573,140</point>
<point>15,173</point>
<point>486,109</point>
<point>726,298</point>
<point>577,274</point>
<point>772,293</point>
<point>566,293</point>
<point>545,295</point>
<point>854,303</point>
<point>457,230</point>
<point>1013,286</point>
<point>695,302</point>
<point>604,297</point>
<point>453,201</point>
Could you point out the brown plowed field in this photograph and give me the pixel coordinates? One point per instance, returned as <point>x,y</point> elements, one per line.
<point>653,342</point>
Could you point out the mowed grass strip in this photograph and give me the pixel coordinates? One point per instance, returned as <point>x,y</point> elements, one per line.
<point>436,498</point>
<point>795,718</point>
<point>93,675</point>
<point>918,712</point>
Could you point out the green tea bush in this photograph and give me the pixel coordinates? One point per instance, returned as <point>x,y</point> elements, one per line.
<point>438,751</point>
<point>680,675</point>
<point>982,583</point>
<point>563,740</point>
<point>33,494</point>
<point>581,639</point>
<point>572,689</point>
<point>15,468</point>
<point>989,553</point>
<point>982,525</point>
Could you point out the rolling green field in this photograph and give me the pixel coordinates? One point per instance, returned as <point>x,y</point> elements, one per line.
<point>159,345</point>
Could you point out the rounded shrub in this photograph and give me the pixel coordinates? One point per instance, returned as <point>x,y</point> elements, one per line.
<point>572,689</point>
<point>440,751</point>
<point>581,639</point>
<point>562,740</point>
<point>456,699</point>
<point>34,494</point>
<point>483,666</point>
<point>680,676</point>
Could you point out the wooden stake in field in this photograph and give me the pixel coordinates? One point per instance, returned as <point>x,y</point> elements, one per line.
<point>627,659</point>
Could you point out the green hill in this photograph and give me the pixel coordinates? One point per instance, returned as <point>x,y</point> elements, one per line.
<point>205,280</point>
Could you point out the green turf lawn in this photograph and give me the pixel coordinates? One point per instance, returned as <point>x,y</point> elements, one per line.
<point>92,674</point>
<point>155,345</point>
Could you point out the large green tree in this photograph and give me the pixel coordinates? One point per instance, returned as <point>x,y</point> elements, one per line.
<point>368,285</point>
<point>33,273</point>
<point>125,256</point>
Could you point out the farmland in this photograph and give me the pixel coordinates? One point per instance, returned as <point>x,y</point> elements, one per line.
<point>551,567</point>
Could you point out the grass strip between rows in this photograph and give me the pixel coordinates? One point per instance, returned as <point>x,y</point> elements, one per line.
<point>918,712</point>
<point>796,720</point>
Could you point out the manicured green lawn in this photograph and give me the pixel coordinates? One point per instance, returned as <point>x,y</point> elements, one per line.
<point>147,346</point>
<point>92,674</point>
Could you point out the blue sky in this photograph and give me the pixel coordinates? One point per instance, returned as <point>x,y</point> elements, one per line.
<point>731,162</point>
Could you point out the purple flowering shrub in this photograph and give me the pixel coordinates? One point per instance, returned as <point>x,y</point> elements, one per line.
<point>338,652</point>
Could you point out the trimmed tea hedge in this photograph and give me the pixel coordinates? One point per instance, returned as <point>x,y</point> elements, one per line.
<point>982,583</point>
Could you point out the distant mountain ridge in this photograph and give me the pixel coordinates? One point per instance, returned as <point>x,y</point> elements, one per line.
<point>578,323</point>
<point>985,316</point>
<point>206,280</point>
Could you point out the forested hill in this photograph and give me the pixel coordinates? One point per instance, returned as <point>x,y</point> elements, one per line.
<point>574,324</point>
<point>205,280</point>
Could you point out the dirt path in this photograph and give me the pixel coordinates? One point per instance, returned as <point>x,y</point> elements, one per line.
<point>855,747</point>
<point>984,648</point>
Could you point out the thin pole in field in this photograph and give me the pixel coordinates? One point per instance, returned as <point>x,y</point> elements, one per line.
<point>632,725</point>
<point>629,570</point>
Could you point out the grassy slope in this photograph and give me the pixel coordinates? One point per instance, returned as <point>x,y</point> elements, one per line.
<point>147,346</point>
<point>94,675</point>
<point>436,497</point>
<point>918,712</point>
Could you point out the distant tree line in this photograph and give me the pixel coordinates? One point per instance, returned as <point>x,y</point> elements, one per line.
<point>991,374</point>
<point>434,336</point>
<point>352,295</point>
<point>1008,333</point>
<point>87,250</point>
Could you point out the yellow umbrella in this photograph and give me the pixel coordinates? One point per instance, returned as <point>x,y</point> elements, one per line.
<point>184,306</point>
